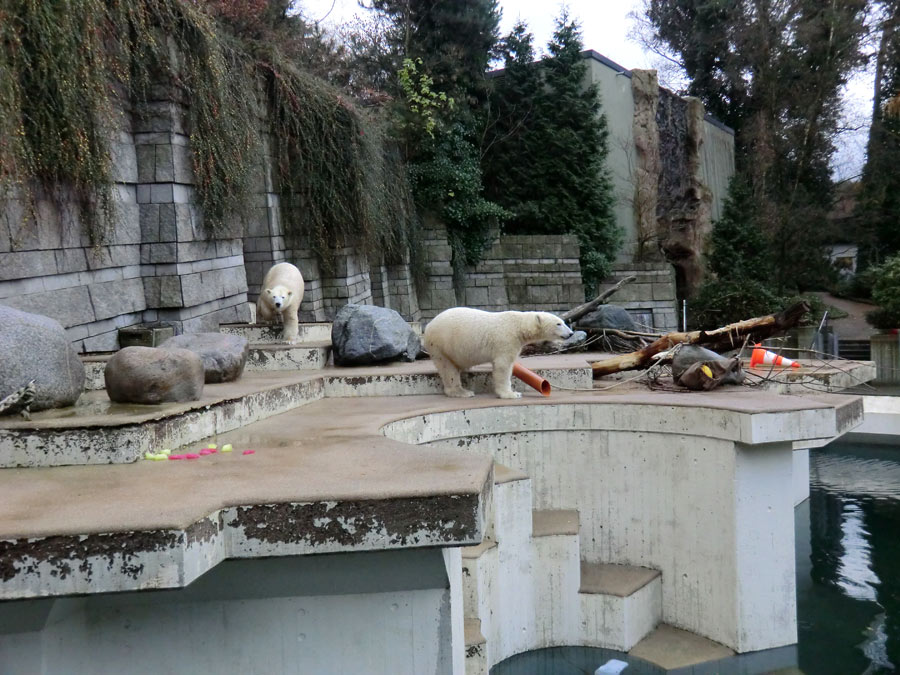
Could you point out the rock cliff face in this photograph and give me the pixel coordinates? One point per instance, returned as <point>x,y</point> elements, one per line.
<point>672,205</point>
<point>647,169</point>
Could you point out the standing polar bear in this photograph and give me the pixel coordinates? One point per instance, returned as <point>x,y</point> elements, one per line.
<point>280,295</point>
<point>462,337</point>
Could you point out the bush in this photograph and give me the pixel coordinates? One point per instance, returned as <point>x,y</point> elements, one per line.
<point>857,287</point>
<point>886,293</point>
<point>720,302</point>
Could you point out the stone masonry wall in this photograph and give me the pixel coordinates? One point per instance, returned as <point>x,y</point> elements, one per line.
<point>651,296</point>
<point>517,272</point>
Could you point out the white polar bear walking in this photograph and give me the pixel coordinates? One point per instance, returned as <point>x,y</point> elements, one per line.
<point>462,337</point>
<point>280,295</point>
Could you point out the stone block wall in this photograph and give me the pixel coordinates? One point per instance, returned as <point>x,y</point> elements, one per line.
<point>517,272</point>
<point>651,296</point>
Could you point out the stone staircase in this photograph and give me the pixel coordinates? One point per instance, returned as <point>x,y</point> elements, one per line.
<point>268,352</point>
<point>526,587</point>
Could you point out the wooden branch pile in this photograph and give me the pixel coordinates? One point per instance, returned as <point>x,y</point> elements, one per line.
<point>720,339</point>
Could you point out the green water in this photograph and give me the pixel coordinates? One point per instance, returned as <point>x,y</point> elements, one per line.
<point>848,579</point>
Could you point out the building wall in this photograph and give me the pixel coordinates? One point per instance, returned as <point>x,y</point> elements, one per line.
<point>717,149</point>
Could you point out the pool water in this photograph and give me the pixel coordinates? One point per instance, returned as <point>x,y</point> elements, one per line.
<point>848,578</point>
<point>848,561</point>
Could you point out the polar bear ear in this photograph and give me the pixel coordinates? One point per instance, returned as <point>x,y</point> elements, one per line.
<point>538,321</point>
<point>269,291</point>
<point>290,293</point>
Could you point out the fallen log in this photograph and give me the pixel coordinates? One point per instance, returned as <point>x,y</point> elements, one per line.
<point>581,310</point>
<point>724,338</point>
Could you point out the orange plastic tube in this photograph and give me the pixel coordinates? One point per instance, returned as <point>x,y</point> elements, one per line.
<point>531,378</point>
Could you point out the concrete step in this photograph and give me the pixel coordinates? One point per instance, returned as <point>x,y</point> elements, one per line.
<point>476,652</point>
<point>301,356</point>
<point>620,604</point>
<point>272,333</point>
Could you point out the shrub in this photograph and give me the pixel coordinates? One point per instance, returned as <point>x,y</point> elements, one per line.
<point>886,293</point>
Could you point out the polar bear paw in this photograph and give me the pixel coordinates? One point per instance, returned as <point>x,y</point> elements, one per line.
<point>509,394</point>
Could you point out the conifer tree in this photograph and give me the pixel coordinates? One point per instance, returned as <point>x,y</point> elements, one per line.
<point>576,190</point>
<point>511,141</point>
<point>444,48</point>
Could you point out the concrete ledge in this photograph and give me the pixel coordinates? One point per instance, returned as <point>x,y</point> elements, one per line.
<point>618,580</point>
<point>307,356</point>
<point>881,422</point>
<point>97,431</point>
<point>670,648</point>
<point>174,521</point>
<point>814,376</point>
<point>549,523</point>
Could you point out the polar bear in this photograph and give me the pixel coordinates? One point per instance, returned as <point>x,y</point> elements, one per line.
<point>280,295</point>
<point>462,337</point>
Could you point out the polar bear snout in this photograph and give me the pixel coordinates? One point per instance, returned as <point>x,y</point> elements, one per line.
<point>563,331</point>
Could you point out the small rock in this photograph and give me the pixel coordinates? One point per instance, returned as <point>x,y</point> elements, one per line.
<point>35,347</point>
<point>365,334</point>
<point>152,375</point>
<point>608,316</point>
<point>224,356</point>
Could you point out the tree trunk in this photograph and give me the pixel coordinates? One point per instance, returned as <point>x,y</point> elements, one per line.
<point>726,337</point>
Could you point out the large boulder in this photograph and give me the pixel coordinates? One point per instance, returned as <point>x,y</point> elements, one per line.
<point>224,356</point>
<point>35,347</point>
<point>152,375</point>
<point>608,316</point>
<point>365,334</point>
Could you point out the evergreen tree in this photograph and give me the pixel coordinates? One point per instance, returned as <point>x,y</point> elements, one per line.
<point>879,207</point>
<point>444,48</point>
<point>576,190</point>
<point>740,283</point>
<point>511,142</point>
<point>546,163</point>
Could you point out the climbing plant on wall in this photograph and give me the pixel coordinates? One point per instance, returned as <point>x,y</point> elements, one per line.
<point>68,69</point>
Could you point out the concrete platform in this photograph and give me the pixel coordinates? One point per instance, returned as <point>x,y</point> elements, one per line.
<point>813,376</point>
<point>97,431</point>
<point>671,648</point>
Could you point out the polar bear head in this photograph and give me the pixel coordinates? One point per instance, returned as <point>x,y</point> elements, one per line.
<point>550,327</point>
<point>280,297</point>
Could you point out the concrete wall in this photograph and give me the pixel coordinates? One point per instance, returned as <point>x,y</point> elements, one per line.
<point>388,612</point>
<point>717,149</point>
<point>660,489</point>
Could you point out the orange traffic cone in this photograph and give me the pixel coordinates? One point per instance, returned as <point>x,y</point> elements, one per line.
<point>763,357</point>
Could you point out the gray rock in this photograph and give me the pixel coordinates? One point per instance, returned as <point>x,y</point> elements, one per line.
<point>608,316</point>
<point>224,356</point>
<point>153,375</point>
<point>35,347</point>
<point>365,334</point>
